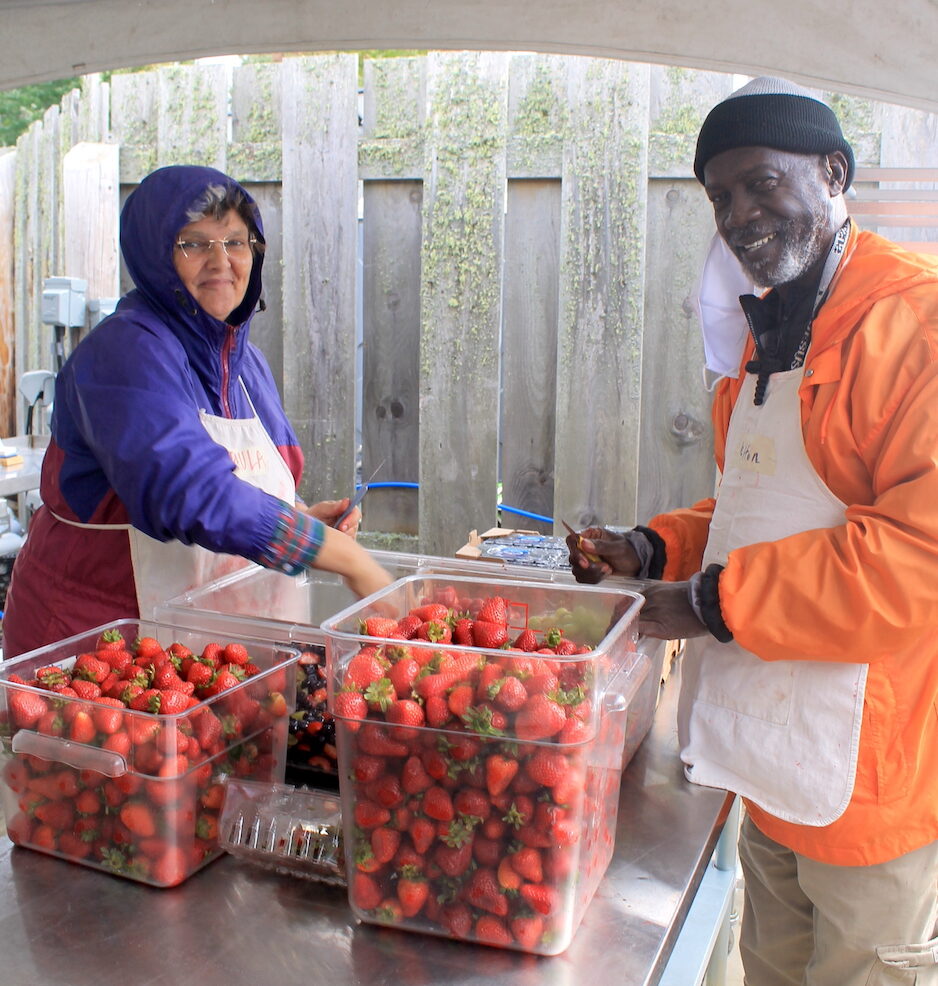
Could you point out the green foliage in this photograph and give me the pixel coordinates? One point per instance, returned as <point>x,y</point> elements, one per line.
<point>20,107</point>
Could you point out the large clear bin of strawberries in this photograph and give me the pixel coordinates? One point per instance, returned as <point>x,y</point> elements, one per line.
<point>114,743</point>
<point>480,760</point>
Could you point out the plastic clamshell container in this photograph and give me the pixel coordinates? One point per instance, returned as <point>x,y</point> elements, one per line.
<point>296,831</point>
<point>138,799</point>
<point>494,839</point>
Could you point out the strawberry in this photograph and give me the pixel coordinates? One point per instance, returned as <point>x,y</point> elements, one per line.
<point>412,891</point>
<point>387,791</point>
<point>437,711</point>
<point>138,818</point>
<point>508,879</point>
<point>58,815</point>
<point>499,773</point>
<point>453,860</point>
<point>405,712</point>
<point>82,728</point>
<point>508,693</point>
<point>236,654</point>
<point>369,815</point>
<point>364,668</point>
<point>526,862</point>
<point>366,769</point>
<point>26,708</point>
<point>472,801</point>
<point>380,694</point>
<point>547,767</point>
<point>407,627</point>
<point>378,626</point>
<point>365,892</point>
<point>438,804</point>
<point>50,676</point>
<point>402,675</point>
<point>541,897</point>
<point>539,718</point>
<point>166,677</point>
<point>460,698</point>
<point>86,689</point>
<point>462,632</point>
<point>430,612</point>
<point>200,675</point>
<point>488,634</point>
<point>422,834</point>
<point>147,647</point>
<point>111,639</point>
<point>379,742</point>
<point>434,631</point>
<point>171,868</point>
<point>492,930</point>
<point>494,610</point>
<point>528,931</point>
<point>212,654</point>
<point>90,668</point>
<point>457,919</point>
<point>172,702</point>
<point>526,640</point>
<point>384,844</point>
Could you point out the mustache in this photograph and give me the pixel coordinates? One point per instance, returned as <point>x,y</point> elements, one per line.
<point>751,233</point>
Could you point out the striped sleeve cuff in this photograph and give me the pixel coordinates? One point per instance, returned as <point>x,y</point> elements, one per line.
<point>295,544</point>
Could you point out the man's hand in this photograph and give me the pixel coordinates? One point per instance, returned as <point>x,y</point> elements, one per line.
<point>614,553</point>
<point>667,613</point>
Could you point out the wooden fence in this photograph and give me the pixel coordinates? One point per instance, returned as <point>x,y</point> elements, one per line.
<point>512,239</point>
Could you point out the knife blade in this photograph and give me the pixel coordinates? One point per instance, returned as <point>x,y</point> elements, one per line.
<point>595,559</point>
<point>359,494</point>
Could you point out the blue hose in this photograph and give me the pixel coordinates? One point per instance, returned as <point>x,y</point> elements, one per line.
<point>416,486</point>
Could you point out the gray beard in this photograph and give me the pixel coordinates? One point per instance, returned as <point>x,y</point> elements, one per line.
<point>800,250</point>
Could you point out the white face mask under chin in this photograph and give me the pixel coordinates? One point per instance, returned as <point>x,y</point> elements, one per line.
<point>722,322</point>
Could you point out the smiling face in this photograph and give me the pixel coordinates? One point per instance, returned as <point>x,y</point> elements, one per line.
<point>217,280</point>
<point>776,209</point>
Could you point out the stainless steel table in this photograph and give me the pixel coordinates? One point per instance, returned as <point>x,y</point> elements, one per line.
<point>19,480</point>
<point>64,925</point>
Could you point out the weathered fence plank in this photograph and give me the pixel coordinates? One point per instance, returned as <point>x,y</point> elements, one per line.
<point>599,349</point>
<point>8,379</point>
<point>134,123</point>
<point>460,295</point>
<point>254,153</point>
<point>320,220</point>
<point>529,350</point>
<point>192,118</point>
<point>267,326</point>
<point>391,351</point>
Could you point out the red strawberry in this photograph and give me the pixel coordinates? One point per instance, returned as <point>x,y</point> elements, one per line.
<point>438,804</point>
<point>147,647</point>
<point>82,728</point>
<point>526,640</point>
<point>380,742</point>
<point>384,844</point>
<point>235,654</point>
<point>499,772</point>
<point>434,631</point>
<point>527,863</point>
<point>453,860</point>
<point>457,919</point>
<point>494,610</point>
<point>460,698</point>
<point>26,708</point>
<point>462,632</point>
<point>437,711</point>
<point>58,815</point>
<point>366,769</point>
<point>111,639</point>
<point>85,689</point>
<point>422,834</point>
<point>166,677</point>
<point>402,674</point>
<point>171,868</point>
<point>172,702</point>
<point>138,818</point>
<point>492,930</point>
<point>539,718</point>
<point>90,668</point>
<point>51,676</point>
<point>543,898</point>
<point>488,634</point>
<point>405,712</point>
<point>528,931</point>
<point>387,791</point>
<point>508,693</point>
<point>412,891</point>
<point>364,668</point>
<point>365,892</point>
<point>548,767</point>
<point>407,627</point>
<point>200,675</point>
<point>369,815</point>
<point>430,611</point>
<point>379,626</point>
<point>351,705</point>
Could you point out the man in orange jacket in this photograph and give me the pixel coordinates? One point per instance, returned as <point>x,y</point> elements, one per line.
<point>808,587</point>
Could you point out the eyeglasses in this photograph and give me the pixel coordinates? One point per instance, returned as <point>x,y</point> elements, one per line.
<point>239,249</point>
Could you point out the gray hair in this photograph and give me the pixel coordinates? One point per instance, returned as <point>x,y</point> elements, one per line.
<point>217,201</point>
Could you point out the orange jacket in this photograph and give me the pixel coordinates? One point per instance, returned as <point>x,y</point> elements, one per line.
<point>866,591</point>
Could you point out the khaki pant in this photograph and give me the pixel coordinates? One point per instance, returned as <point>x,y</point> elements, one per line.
<point>813,924</point>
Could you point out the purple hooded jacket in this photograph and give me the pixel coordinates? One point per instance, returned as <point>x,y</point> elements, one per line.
<point>127,445</point>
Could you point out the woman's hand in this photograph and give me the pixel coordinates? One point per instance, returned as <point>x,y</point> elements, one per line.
<point>329,511</point>
<point>611,555</point>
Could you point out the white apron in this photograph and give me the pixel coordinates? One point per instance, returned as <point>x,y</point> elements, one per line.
<point>784,734</point>
<point>164,569</point>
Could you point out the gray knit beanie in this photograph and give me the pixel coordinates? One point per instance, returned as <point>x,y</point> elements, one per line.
<point>770,112</point>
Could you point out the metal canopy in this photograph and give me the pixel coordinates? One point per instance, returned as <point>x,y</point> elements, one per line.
<point>862,47</point>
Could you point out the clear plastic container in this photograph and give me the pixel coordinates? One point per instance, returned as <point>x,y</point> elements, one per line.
<point>297,831</point>
<point>483,834</point>
<point>138,794</point>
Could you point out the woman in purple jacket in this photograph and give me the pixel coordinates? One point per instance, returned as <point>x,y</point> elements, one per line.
<point>171,458</point>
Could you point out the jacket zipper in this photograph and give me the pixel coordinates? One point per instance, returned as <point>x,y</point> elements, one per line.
<point>226,350</point>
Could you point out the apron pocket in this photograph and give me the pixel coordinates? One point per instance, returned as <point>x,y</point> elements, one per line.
<point>903,963</point>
